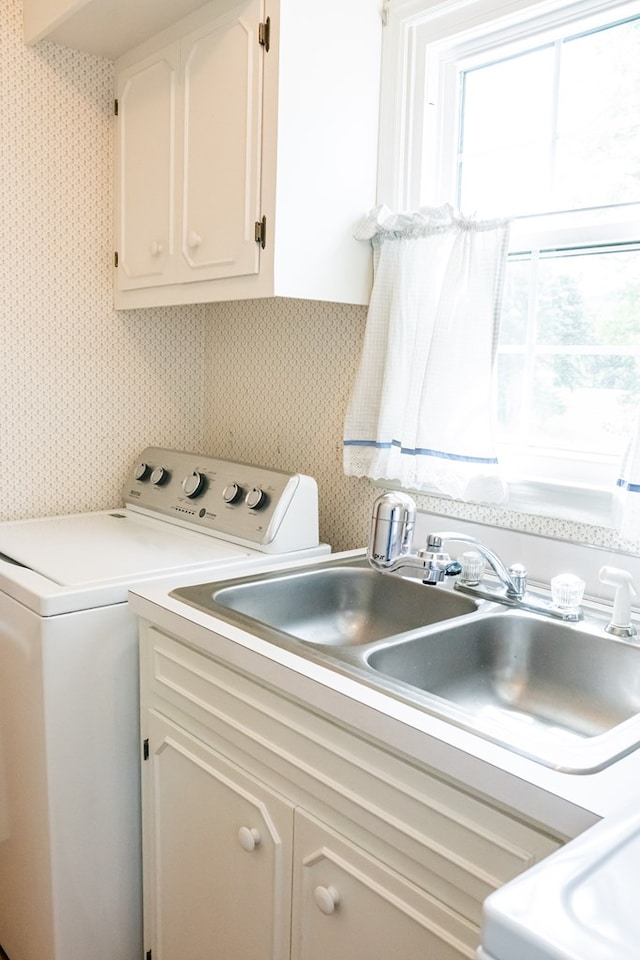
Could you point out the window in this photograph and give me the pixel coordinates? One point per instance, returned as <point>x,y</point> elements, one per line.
<point>535,115</point>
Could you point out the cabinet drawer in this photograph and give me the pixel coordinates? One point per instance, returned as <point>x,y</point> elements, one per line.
<point>436,834</point>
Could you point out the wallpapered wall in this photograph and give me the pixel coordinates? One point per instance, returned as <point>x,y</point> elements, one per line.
<point>84,388</point>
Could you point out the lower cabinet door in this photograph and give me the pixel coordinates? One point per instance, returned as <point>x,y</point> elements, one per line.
<point>347,905</point>
<point>217,855</point>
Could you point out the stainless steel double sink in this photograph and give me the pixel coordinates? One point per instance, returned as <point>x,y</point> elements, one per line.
<point>565,695</point>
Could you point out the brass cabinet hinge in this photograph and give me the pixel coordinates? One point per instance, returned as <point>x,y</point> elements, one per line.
<point>116,107</point>
<point>145,750</point>
<point>115,259</point>
<point>261,232</point>
<point>264,34</point>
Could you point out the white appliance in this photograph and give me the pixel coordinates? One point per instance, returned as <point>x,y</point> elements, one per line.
<point>581,903</point>
<point>70,858</point>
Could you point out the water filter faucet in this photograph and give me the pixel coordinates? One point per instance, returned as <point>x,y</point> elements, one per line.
<point>620,624</point>
<point>391,550</point>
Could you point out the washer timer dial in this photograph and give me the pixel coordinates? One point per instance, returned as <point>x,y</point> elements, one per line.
<point>256,498</point>
<point>194,484</point>
<point>232,493</point>
<point>159,476</point>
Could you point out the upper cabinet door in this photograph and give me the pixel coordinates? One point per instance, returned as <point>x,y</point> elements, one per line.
<point>221,138</point>
<point>147,98</point>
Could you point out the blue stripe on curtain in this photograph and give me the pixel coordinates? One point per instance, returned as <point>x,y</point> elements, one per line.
<point>420,451</point>
<point>629,487</point>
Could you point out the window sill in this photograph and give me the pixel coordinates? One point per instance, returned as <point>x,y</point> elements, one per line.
<point>574,503</point>
<point>571,503</point>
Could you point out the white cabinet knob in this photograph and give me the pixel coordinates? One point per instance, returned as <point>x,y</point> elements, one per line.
<point>194,240</point>
<point>249,838</point>
<point>326,899</point>
<point>155,248</point>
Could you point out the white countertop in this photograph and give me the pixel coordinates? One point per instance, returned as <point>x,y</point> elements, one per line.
<point>564,803</point>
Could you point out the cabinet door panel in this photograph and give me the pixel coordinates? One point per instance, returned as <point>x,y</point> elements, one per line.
<point>147,95</point>
<point>222,129</point>
<point>349,906</point>
<point>218,855</point>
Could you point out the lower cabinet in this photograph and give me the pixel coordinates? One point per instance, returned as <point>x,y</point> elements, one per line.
<point>218,854</point>
<point>347,905</point>
<point>272,833</point>
<point>224,854</point>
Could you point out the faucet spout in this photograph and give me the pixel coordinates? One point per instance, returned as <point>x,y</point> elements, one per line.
<point>513,579</point>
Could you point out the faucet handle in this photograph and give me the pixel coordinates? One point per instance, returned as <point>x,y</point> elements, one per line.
<point>567,591</point>
<point>518,574</point>
<point>472,568</point>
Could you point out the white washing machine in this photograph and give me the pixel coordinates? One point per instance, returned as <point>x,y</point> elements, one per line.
<point>70,858</point>
<point>581,903</point>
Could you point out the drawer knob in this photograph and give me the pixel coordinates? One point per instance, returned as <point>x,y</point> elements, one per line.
<point>326,899</point>
<point>249,838</point>
<point>194,240</point>
<point>155,248</point>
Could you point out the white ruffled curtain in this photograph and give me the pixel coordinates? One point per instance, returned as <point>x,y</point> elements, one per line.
<point>627,500</point>
<point>421,408</point>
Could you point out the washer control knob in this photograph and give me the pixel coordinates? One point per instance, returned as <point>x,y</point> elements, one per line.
<point>232,493</point>
<point>142,471</point>
<point>194,484</point>
<point>256,498</point>
<point>159,476</point>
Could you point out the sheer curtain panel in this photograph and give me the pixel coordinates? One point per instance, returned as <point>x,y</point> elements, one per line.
<point>421,408</point>
<point>627,500</point>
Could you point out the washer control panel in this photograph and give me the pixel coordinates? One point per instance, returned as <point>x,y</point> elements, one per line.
<point>241,502</point>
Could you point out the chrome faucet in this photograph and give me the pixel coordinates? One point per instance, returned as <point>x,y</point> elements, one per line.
<point>391,549</point>
<point>513,578</point>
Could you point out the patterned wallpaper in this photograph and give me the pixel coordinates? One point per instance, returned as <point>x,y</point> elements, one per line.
<point>280,375</point>
<point>84,388</point>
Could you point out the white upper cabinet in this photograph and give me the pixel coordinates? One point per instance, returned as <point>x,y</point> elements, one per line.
<point>246,154</point>
<point>177,222</point>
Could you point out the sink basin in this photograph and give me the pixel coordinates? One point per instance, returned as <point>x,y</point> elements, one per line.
<point>543,687</point>
<point>565,695</point>
<point>346,604</point>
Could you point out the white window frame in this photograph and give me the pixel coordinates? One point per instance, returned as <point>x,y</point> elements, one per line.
<point>406,75</point>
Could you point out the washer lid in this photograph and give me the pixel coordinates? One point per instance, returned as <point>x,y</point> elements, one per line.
<point>116,546</point>
<point>578,904</point>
